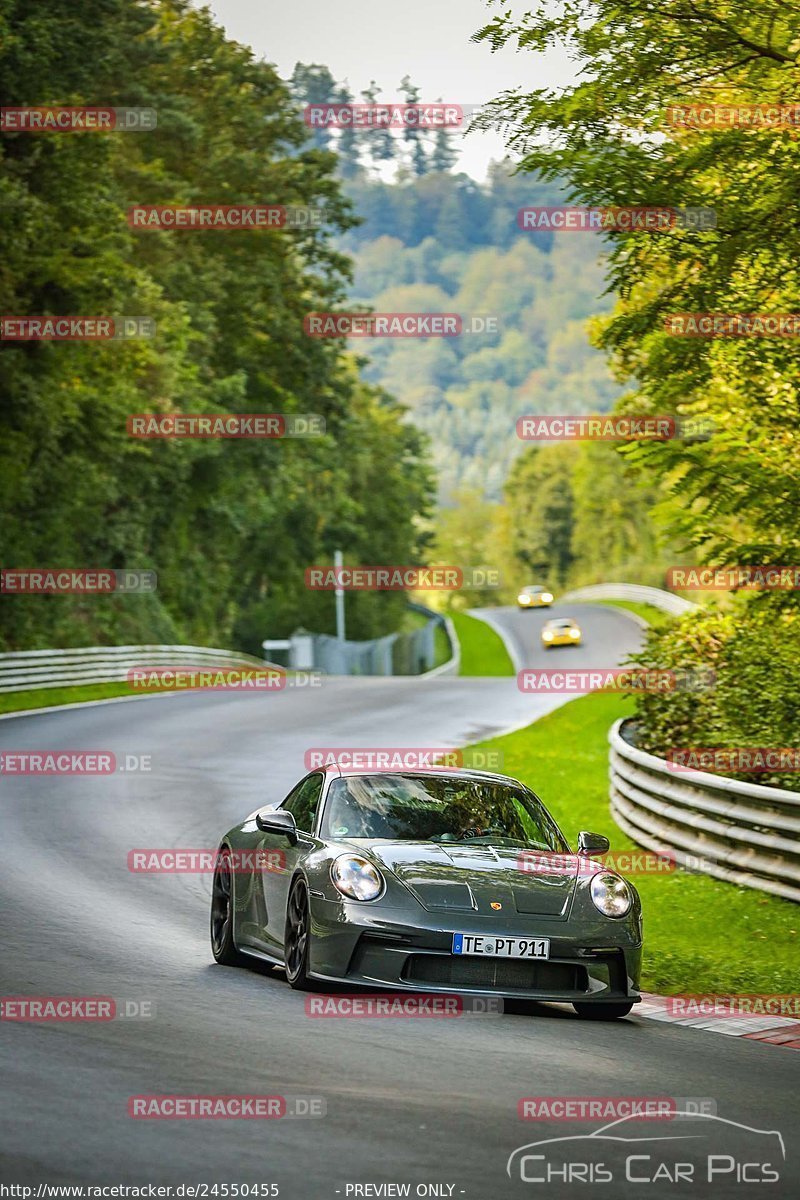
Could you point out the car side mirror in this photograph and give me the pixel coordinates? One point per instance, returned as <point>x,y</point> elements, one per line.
<point>592,843</point>
<point>278,821</point>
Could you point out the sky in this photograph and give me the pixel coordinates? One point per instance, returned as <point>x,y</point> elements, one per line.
<point>426,39</point>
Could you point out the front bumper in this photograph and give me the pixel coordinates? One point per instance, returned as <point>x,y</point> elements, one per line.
<point>353,944</point>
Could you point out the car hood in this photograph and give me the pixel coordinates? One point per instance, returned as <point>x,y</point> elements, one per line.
<point>456,877</point>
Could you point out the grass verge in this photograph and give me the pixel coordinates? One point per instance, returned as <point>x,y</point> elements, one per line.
<point>482,650</point>
<point>648,612</point>
<point>48,697</point>
<point>701,935</point>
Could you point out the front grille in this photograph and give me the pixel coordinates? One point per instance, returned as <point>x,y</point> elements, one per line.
<point>445,970</point>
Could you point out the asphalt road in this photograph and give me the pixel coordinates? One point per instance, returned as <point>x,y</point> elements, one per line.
<point>609,634</point>
<point>408,1101</point>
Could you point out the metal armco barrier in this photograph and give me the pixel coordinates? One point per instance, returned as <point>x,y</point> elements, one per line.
<point>667,601</point>
<point>744,833</point>
<point>27,669</point>
<point>410,653</point>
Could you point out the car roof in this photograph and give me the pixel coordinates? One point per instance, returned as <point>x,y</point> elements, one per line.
<point>336,770</point>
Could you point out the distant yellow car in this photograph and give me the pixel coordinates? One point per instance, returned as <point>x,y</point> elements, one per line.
<point>563,632</point>
<point>534,597</point>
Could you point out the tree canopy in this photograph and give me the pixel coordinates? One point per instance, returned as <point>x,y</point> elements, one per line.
<point>229,526</point>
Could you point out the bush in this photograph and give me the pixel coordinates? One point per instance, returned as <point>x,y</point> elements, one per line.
<point>754,697</point>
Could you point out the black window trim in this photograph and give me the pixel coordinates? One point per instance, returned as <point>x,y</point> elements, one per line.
<point>297,787</point>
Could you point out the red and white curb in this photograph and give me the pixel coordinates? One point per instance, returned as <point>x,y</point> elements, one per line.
<point>778,1031</point>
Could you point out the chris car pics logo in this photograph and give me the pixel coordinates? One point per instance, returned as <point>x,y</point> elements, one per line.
<point>690,1148</point>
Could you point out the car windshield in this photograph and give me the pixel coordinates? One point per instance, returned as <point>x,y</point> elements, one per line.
<point>438,808</point>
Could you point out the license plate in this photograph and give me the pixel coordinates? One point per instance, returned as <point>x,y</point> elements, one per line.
<point>501,947</point>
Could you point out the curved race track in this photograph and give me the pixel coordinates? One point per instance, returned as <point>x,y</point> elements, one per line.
<point>408,1101</point>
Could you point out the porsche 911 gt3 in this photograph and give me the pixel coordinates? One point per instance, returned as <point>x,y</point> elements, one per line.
<point>422,881</point>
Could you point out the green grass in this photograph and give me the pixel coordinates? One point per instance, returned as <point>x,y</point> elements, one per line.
<point>482,650</point>
<point>47,697</point>
<point>701,935</point>
<point>648,612</point>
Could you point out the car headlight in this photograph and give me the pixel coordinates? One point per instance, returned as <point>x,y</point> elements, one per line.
<point>547,598</point>
<point>574,633</point>
<point>611,895</point>
<point>356,878</point>
<point>523,599</point>
<point>547,637</point>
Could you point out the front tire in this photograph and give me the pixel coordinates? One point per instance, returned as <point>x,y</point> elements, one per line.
<point>297,937</point>
<point>222,903</point>
<point>603,1012</point>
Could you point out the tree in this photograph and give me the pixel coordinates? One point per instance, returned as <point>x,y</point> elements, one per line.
<point>473,532</point>
<point>620,136</point>
<point>444,155</point>
<point>312,83</point>
<point>348,141</point>
<point>541,505</point>
<point>415,139</point>
<point>381,144</point>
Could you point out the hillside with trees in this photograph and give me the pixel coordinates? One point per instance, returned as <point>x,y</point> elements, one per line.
<point>429,239</point>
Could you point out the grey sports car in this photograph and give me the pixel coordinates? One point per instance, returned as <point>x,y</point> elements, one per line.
<point>427,881</point>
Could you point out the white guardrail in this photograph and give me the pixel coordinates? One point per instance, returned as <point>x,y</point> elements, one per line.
<point>28,669</point>
<point>744,833</point>
<point>667,601</point>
